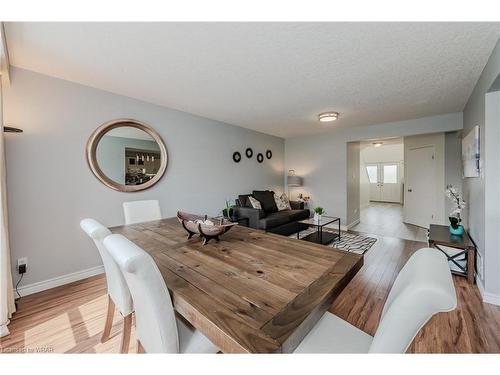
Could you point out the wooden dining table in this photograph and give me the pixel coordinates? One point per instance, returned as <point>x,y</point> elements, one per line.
<point>252,292</point>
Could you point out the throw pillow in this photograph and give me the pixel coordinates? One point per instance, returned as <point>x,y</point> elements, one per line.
<point>266,199</point>
<point>282,202</point>
<point>254,202</point>
<point>244,202</point>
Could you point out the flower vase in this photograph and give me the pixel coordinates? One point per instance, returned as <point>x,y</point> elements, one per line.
<point>456,228</point>
<point>317,218</point>
<point>459,231</point>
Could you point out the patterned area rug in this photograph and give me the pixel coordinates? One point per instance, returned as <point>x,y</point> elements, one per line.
<point>351,242</point>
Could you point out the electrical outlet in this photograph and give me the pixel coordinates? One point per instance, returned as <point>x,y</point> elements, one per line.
<point>22,265</point>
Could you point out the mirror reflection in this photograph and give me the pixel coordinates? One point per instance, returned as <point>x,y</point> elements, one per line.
<point>128,156</point>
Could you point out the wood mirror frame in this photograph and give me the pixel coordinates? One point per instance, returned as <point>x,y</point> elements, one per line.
<point>91,151</point>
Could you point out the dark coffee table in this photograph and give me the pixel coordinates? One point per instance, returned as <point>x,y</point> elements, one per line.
<point>319,236</point>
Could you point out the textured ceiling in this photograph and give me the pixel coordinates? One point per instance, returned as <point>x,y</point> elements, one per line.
<point>270,77</point>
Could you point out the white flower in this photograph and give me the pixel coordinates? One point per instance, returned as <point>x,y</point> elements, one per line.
<point>458,203</point>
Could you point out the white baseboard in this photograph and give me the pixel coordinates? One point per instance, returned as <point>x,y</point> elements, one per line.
<point>494,299</point>
<point>59,280</point>
<point>356,222</point>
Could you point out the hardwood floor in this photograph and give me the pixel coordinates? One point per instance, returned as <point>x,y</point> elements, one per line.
<point>473,327</point>
<point>70,318</point>
<point>386,219</point>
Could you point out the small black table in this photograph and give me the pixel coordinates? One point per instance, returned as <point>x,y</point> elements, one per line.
<point>319,236</point>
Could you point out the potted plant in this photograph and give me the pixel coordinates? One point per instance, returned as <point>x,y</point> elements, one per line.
<point>458,205</point>
<point>228,211</point>
<point>318,212</point>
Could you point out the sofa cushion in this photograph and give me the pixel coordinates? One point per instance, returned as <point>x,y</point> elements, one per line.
<point>244,201</point>
<point>266,199</point>
<point>275,219</point>
<point>254,203</point>
<point>297,215</point>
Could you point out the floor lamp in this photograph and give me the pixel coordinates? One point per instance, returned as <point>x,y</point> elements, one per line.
<point>293,181</point>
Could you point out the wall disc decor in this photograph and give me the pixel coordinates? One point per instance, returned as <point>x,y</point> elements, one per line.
<point>236,157</point>
<point>260,157</point>
<point>269,154</point>
<point>249,152</point>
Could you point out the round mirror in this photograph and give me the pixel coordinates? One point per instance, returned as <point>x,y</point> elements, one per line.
<point>127,155</point>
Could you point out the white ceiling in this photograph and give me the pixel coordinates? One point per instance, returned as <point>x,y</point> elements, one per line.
<point>385,142</point>
<point>270,77</point>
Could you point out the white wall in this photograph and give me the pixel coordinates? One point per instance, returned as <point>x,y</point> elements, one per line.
<point>51,188</point>
<point>353,182</point>
<point>383,154</point>
<point>364,186</point>
<point>474,188</point>
<point>321,159</point>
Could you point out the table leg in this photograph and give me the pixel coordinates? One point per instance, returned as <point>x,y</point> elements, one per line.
<point>470,266</point>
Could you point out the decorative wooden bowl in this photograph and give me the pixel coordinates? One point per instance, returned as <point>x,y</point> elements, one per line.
<point>195,224</point>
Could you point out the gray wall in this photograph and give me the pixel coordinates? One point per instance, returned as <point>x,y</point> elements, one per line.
<point>50,187</point>
<point>353,182</point>
<point>474,188</point>
<point>491,259</point>
<point>322,159</point>
<point>453,166</point>
<point>110,154</point>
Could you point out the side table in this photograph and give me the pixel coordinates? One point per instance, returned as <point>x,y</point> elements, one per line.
<point>439,235</point>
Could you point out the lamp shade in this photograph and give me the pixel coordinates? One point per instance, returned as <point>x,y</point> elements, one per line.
<point>294,180</point>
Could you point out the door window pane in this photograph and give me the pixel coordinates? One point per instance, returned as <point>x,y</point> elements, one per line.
<point>390,174</point>
<point>371,170</point>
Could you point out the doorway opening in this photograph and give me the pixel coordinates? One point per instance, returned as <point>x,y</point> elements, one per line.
<point>381,190</point>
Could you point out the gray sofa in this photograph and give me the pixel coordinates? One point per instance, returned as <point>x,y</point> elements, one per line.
<point>268,218</point>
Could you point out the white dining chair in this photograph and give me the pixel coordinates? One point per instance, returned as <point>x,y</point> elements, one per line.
<point>157,328</point>
<point>423,287</point>
<point>141,211</point>
<point>118,293</point>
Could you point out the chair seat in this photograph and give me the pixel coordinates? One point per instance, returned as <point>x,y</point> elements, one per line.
<point>334,335</point>
<point>193,341</point>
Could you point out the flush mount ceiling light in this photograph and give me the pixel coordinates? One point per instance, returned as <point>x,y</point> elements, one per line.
<point>377,144</point>
<point>328,116</point>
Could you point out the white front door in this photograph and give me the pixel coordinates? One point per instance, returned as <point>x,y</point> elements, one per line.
<point>373,172</point>
<point>385,182</point>
<point>420,201</point>
<point>390,189</point>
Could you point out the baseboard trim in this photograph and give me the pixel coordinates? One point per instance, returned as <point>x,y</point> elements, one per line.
<point>356,222</point>
<point>494,299</point>
<point>40,286</point>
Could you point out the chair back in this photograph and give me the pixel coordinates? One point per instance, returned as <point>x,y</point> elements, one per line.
<point>141,211</point>
<point>422,288</point>
<point>117,286</point>
<point>155,321</point>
